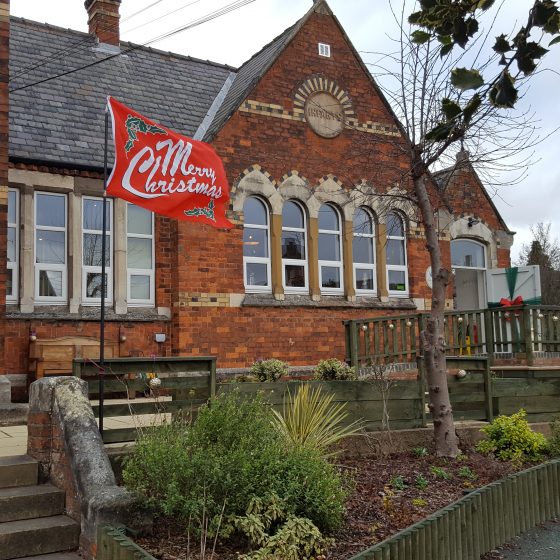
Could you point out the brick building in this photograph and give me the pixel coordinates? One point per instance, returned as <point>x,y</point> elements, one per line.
<point>318,167</point>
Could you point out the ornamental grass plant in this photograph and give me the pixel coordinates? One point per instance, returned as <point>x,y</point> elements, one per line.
<point>311,420</point>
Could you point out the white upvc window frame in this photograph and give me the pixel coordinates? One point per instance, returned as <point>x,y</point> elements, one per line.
<point>332,264</point>
<point>251,288</point>
<point>109,248</point>
<point>366,266</point>
<point>14,266</point>
<point>404,267</point>
<point>297,262</point>
<point>141,271</point>
<point>63,268</point>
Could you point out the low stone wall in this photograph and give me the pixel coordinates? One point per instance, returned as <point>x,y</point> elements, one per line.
<point>63,436</point>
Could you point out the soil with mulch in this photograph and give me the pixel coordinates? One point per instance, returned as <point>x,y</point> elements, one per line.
<point>389,494</point>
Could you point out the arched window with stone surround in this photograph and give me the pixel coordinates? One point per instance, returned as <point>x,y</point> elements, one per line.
<point>363,249</point>
<point>256,246</point>
<point>294,248</point>
<point>330,250</point>
<point>395,250</point>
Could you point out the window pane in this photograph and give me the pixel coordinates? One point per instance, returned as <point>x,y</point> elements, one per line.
<point>139,253</point>
<point>139,286</point>
<point>9,282</point>
<point>255,242</point>
<point>397,281</point>
<point>50,210</point>
<point>92,250</point>
<point>12,218</point>
<point>394,226</point>
<point>362,222</point>
<point>329,247</point>
<point>293,245</point>
<point>467,253</point>
<point>330,277</point>
<point>362,248</point>
<point>93,285</point>
<point>295,276</point>
<point>50,247</point>
<point>328,218</point>
<point>93,215</point>
<point>292,215</point>
<point>11,244</point>
<point>50,283</point>
<point>257,274</point>
<point>395,252</point>
<point>364,279</point>
<point>138,220</point>
<point>255,212</point>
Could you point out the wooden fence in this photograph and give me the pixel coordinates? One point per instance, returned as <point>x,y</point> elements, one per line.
<point>187,382</point>
<point>113,544</point>
<point>518,331</point>
<point>479,522</point>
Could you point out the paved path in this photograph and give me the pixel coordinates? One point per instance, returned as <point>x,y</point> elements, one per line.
<point>540,543</point>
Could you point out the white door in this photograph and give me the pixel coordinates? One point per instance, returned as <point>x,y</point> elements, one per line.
<point>468,258</point>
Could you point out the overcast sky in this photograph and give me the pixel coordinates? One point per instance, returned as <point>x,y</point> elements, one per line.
<point>233,38</point>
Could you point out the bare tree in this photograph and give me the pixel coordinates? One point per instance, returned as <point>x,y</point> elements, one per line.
<point>441,104</point>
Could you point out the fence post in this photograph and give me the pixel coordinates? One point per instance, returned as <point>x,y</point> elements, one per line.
<point>422,388</point>
<point>488,392</point>
<point>528,335</point>
<point>353,326</point>
<point>489,335</point>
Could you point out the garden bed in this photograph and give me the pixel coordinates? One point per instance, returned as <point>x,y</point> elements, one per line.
<point>389,495</point>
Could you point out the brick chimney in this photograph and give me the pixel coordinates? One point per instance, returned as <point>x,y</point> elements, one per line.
<point>103,20</point>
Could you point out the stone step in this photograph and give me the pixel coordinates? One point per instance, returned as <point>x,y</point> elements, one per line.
<point>44,535</point>
<point>28,502</point>
<point>19,470</point>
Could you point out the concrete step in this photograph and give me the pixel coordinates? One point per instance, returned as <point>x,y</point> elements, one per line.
<point>28,502</point>
<point>19,470</point>
<point>44,535</point>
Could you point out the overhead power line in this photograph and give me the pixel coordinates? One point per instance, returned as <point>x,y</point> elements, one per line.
<point>204,19</point>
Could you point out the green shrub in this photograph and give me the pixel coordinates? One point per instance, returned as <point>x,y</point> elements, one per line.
<point>333,369</point>
<point>269,370</point>
<point>420,451</point>
<point>511,438</point>
<point>398,482</point>
<point>554,440</point>
<point>466,472</point>
<point>438,472</point>
<point>229,456</point>
<point>421,482</point>
<point>278,535</point>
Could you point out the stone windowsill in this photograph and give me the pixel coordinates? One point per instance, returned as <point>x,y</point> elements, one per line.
<point>62,313</point>
<point>268,300</point>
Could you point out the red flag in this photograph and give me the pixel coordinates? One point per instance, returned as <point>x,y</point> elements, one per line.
<point>165,172</point>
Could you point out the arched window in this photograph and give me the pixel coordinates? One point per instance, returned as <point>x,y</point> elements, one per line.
<point>294,248</point>
<point>466,253</point>
<point>397,271</point>
<point>256,246</point>
<point>330,250</point>
<point>363,249</point>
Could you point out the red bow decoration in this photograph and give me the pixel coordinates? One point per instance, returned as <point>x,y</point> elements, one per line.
<point>504,302</point>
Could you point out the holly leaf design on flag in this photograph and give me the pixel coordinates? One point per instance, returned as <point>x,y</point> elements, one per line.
<point>134,125</point>
<point>207,212</point>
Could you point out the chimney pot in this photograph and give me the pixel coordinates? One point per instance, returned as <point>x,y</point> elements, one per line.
<point>103,20</point>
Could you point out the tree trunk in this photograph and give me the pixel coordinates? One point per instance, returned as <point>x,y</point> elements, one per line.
<point>432,338</point>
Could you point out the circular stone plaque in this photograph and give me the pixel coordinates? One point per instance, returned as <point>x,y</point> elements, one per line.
<point>325,114</point>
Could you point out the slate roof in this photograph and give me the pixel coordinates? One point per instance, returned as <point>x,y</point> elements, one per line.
<point>61,121</point>
<point>247,77</point>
